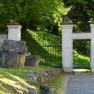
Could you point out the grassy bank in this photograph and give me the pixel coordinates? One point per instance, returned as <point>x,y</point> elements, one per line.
<point>13,80</point>
<point>45,45</point>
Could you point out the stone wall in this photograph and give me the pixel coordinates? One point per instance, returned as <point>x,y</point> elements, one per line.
<point>43,77</point>
<point>13,53</point>
<point>2,38</point>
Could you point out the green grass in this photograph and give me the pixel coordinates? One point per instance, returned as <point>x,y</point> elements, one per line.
<point>60,83</point>
<point>22,71</point>
<point>13,80</point>
<point>81,61</point>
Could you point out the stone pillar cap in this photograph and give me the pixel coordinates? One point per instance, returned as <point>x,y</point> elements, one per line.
<point>91,21</point>
<point>67,22</point>
<point>12,23</point>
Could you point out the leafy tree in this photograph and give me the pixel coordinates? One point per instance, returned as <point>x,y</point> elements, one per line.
<point>32,13</point>
<point>81,12</point>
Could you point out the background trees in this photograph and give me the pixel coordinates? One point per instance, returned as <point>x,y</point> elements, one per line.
<point>35,14</point>
<point>47,15</point>
<point>81,12</point>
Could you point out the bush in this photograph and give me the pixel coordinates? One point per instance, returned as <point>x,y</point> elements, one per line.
<point>80,61</point>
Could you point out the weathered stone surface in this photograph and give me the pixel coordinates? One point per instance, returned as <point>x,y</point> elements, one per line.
<point>44,89</point>
<point>14,46</point>
<point>32,77</point>
<point>13,53</point>
<point>0,57</point>
<point>42,77</point>
<point>32,60</point>
<point>32,91</point>
<point>47,89</point>
<point>9,59</point>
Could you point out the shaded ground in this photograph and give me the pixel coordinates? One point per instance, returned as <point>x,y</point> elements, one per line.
<point>81,83</point>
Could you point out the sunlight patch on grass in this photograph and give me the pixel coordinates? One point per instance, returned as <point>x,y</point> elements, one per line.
<point>13,84</point>
<point>13,80</point>
<point>21,81</point>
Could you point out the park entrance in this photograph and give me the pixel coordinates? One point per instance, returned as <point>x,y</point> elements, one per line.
<point>67,46</point>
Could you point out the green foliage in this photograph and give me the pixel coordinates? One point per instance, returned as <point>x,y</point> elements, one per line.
<point>80,61</point>
<point>32,13</point>
<point>37,42</point>
<point>81,12</point>
<point>45,38</point>
<point>82,47</point>
<point>21,72</point>
<point>36,39</point>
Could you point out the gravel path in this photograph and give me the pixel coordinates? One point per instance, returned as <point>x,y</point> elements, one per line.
<point>80,84</point>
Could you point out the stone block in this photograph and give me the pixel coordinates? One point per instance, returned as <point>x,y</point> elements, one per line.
<point>32,60</point>
<point>13,53</point>
<point>14,46</point>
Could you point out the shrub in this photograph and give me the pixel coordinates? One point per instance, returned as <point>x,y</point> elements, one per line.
<point>80,61</point>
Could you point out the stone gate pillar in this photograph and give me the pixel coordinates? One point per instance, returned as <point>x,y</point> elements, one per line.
<point>14,50</point>
<point>14,32</point>
<point>67,46</point>
<point>92,48</point>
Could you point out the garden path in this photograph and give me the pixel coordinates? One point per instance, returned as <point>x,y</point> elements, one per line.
<point>80,83</point>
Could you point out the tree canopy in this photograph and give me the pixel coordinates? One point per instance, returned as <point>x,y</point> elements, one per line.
<point>32,13</point>
<point>44,14</point>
